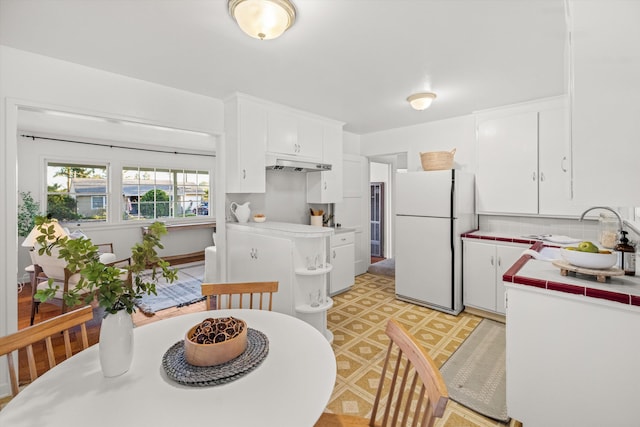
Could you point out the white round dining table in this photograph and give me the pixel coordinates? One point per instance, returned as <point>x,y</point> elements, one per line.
<point>291,387</point>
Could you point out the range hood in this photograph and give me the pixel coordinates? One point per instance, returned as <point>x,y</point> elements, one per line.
<point>293,165</point>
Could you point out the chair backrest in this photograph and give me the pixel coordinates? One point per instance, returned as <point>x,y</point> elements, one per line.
<point>415,391</point>
<point>44,331</point>
<point>51,265</point>
<point>249,293</point>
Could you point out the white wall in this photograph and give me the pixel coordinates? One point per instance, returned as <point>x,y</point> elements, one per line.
<point>350,143</point>
<point>285,199</point>
<point>442,135</point>
<point>33,80</point>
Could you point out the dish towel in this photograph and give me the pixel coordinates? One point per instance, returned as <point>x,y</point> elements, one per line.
<point>537,255</point>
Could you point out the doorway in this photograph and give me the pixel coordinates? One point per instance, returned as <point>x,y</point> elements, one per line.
<point>380,183</point>
<point>377,221</point>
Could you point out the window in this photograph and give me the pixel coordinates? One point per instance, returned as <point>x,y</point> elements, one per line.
<point>77,192</point>
<point>98,202</point>
<point>153,193</point>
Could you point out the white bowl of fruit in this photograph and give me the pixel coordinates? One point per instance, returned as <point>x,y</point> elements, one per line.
<point>259,218</point>
<point>588,255</point>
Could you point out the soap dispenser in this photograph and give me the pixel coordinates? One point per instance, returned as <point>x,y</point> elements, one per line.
<point>626,255</point>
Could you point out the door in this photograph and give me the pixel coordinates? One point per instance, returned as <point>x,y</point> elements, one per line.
<point>377,219</point>
<point>424,260</point>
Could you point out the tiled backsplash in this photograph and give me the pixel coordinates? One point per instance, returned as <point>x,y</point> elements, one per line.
<point>520,226</point>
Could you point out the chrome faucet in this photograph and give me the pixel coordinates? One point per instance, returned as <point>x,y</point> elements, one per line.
<point>620,222</point>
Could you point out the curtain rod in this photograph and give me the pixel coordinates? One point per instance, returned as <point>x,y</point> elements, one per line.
<point>33,137</point>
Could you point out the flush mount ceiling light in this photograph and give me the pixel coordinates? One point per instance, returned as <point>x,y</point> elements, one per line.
<point>263,19</point>
<point>421,101</point>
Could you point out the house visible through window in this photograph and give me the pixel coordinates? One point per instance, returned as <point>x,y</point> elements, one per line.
<point>77,192</point>
<point>150,193</point>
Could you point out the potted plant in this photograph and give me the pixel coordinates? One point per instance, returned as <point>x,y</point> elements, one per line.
<point>115,288</point>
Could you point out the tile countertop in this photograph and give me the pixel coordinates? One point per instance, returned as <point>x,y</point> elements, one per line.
<point>528,271</point>
<point>282,229</point>
<point>498,237</point>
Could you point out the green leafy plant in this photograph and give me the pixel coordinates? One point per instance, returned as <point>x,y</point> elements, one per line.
<point>27,211</point>
<point>116,288</point>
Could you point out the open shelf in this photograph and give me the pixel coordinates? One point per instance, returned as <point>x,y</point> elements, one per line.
<point>307,309</point>
<point>318,271</point>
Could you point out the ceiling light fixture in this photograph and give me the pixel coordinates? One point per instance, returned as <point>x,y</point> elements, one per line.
<point>263,19</point>
<point>421,101</point>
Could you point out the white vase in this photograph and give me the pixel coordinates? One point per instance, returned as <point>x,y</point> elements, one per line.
<point>116,343</point>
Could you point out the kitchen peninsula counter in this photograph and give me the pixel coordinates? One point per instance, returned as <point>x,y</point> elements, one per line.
<point>571,344</point>
<point>531,272</point>
<point>284,229</point>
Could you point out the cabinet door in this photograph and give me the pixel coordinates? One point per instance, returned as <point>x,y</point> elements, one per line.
<point>246,132</point>
<point>506,256</point>
<point>253,257</point>
<point>479,275</point>
<point>507,177</point>
<point>555,163</point>
<point>326,187</point>
<point>252,144</point>
<point>310,138</point>
<point>282,133</point>
<point>342,276</point>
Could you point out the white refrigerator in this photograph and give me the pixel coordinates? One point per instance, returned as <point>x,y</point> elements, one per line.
<point>433,208</point>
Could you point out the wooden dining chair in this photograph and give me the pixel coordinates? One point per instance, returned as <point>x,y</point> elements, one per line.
<point>249,293</point>
<point>45,331</point>
<point>413,395</point>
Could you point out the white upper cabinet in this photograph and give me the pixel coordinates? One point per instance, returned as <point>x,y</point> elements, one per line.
<point>282,135</point>
<point>310,138</point>
<point>507,177</point>
<point>554,153</point>
<point>605,49</point>
<point>294,135</point>
<point>246,134</point>
<point>326,187</point>
<point>254,127</point>
<point>524,160</point>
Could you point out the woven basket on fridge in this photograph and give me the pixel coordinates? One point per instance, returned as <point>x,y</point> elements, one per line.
<point>437,160</point>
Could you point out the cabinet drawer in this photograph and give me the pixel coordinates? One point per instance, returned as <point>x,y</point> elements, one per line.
<point>342,239</point>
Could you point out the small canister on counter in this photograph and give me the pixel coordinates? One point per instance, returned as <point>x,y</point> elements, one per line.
<point>607,230</point>
<point>626,255</point>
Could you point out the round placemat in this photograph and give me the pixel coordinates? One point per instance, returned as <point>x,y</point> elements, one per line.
<point>177,368</point>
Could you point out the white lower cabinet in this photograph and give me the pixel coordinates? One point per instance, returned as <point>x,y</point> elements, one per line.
<point>298,261</point>
<point>484,264</point>
<point>571,360</point>
<point>258,258</point>
<point>342,258</point>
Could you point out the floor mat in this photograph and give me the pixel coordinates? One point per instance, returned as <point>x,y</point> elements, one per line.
<point>475,373</point>
<point>184,291</point>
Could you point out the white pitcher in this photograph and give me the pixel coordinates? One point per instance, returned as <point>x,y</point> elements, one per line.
<point>241,212</point>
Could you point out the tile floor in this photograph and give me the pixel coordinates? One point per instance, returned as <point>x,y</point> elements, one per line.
<point>357,321</point>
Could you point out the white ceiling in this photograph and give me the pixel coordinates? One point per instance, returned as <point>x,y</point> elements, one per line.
<point>351,60</point>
